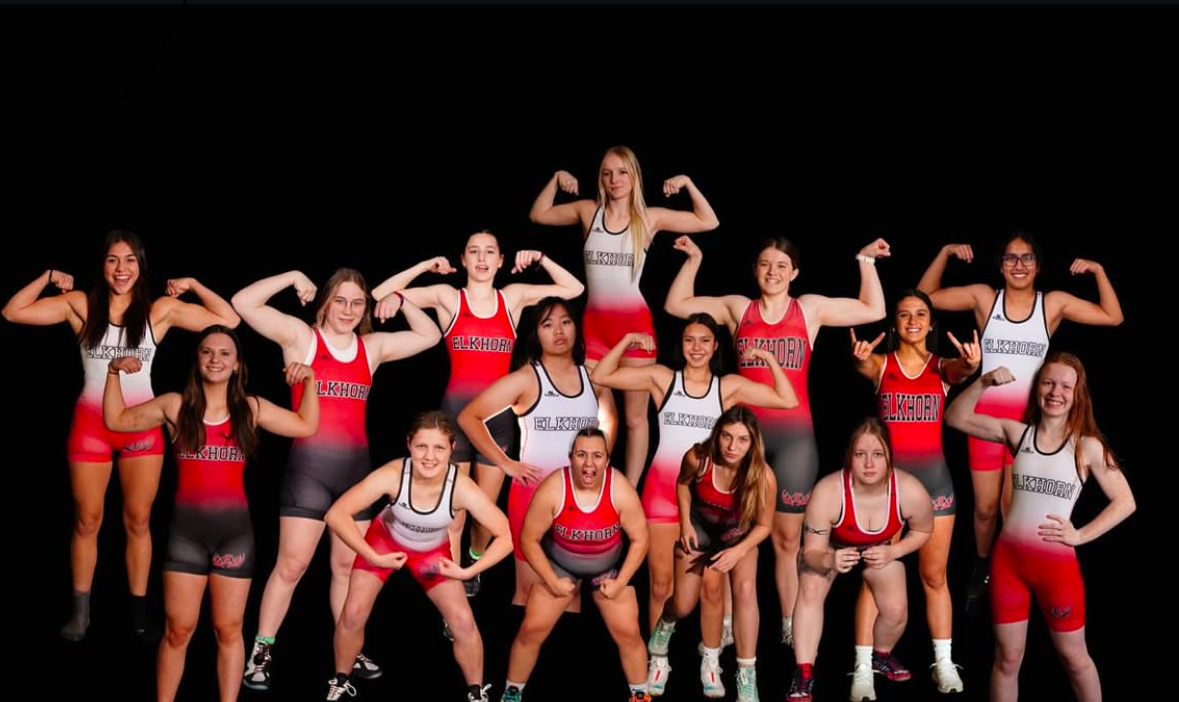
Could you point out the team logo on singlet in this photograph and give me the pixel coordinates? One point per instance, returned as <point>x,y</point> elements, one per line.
<point>481,343</point>
<point>682,419</point>
<point>1043,486</point>
<point>789,350</point>
<point>563,423</point>
<point>586,534</point>
<point>339,388</point>
<point>609,258</point>
<point>909,407</point>
<point>1015,348</point>
<point>213,453</point>
<point>106,353</point>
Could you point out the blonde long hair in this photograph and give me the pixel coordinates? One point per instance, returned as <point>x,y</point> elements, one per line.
<point>638,206</point>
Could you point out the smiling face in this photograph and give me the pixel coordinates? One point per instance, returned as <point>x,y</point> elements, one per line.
<point>345,308</point>
<point>482,257</point>
<point>217,358</point>
<point>774,271</point>
<point>430,450</point>
<point>589,461</point>
<point>617,177</point>
<point>120,268</point>
<point>1055,392</point>
<point>912,321</point>
<point>699,345</point>
<point>1019,265</point>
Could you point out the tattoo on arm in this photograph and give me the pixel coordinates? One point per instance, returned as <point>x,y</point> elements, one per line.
<point>808,528</point>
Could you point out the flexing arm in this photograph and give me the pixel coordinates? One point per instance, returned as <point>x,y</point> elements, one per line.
<point>357,498</point>
<point>634,525</point>
<point>565,285</point>
<point>117,416</point>
<point>390,346</point>
<point>957,299</point>
<point>610,373</point>
<point>962,416</point>
<point>868,307</point>
<point>682,300</point>
<point>70,306</point>
<point>468,496</point>
<point>282,421</point>
<point>427,296</point>
<point>740,390</point>
<point>700,219</point>
<point>291,333</point>
<point>545,212</point>
<point>185,315</point>
<point>1106,313</point>
<point>537,523</point>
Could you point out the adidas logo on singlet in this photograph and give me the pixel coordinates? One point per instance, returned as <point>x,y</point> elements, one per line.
<point>677,393</point>
<point>998,317</point>
<point>550,393</point>
<point>598,230</point>
<point>1026,449</point>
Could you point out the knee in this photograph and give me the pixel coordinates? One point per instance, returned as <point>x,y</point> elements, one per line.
<point>933,577</point>
<point>1008,660</point>
<point>1076,661</point>
<point>895,613</point>
<point>290,569</point>
<point>985,512</point>
<point>811,591</point>
<point>87,521</point>
<point>355,615</point>
<point>137,522</point>
<point>228,633</point>
<point>745,590</point>
<point>784,542</point>
<point>627,634</point>
<point>178,633</point>
<point>463,626</point>
<point>661,587</point>
<point>341,565</point>
<point>713,591</point>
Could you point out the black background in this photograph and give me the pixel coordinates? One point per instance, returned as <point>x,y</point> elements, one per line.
<point>236,163</point>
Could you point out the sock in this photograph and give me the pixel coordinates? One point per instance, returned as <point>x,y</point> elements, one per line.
<point>788,626</point>
<point>941,649</point>
<point>636,688</point>
<point>808,669</point>
<point>747,662</point>
<point>712,654</point>
<point>727,622</point>
<point>265,640</point>
<point>863,656</point>
<point>669,626</point>
<point>518,686</point>
<point>475,555</point>
<point>75,628</point>
<point>144,628</point>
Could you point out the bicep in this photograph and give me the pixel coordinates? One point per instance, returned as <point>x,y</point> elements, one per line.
<point>965,298</point>
<point>503,393</point>
<point>840,311</point>
<point>279,420</point>
<point>287,331</point>
<point>565,214</point>
<point>47,311</point>
<point>481,507</point>
<point>664,219</point>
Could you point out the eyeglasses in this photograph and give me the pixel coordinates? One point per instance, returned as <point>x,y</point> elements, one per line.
<point>1029,259</point>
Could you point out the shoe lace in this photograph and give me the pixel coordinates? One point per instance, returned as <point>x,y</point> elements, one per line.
<point>887,663</point>
<point>946,668</point>
<point>262,657</point>
<point>512,694</point>
<point>862,675</point>
<point>746,682</point>
<point>660,638</point>
<point>482,694</point>
<point>336,691</point>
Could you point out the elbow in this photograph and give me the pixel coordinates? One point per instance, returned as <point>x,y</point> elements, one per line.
<point>1116,320</point>
<point>232,320</point>
<point>307,431</point>
<point>8,314</point>
<point>576,290</point>
<point>712,223</point>
<point>673,308</point>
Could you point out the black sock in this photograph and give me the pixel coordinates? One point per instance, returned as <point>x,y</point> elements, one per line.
<point>140,623</point>
<point>341,678</point>
<point>75,628</point>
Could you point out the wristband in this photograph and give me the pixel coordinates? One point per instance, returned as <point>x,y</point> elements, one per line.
<point>50,277</point>
<point>866,259</point>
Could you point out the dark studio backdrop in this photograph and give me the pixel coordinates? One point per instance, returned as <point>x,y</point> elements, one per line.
<point>230,200</point>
